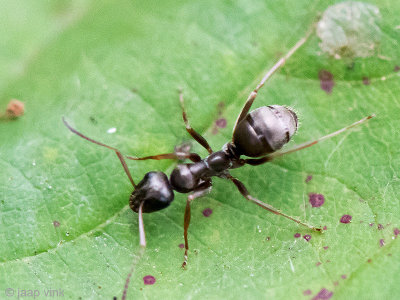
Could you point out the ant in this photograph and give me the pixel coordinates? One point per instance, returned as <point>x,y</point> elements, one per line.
<point>258,134</point>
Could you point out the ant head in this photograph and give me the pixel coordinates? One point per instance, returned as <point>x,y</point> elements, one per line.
<point>265,130</point>
<point>154,191</point>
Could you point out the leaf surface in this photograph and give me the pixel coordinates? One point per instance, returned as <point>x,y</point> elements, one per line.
<point>64,219</point>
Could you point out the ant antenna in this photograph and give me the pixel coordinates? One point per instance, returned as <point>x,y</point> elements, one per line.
<point>140,212</point>
<point>141,227</point>
<point>119,154</point>
<point>137,258</point>
<point>128,173</point>
<point>123,162</point>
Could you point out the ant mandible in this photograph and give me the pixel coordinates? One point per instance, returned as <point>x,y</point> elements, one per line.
<point>258,134</point>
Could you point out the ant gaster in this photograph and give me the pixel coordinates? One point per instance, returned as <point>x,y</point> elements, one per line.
<point>257,134</point>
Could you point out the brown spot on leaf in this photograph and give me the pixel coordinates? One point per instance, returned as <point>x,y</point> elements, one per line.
<point>326,81</point>
<point>15,109</point>
<point>365,81</point>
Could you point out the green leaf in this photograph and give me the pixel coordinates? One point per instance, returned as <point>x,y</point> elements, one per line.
<point>64,219</point>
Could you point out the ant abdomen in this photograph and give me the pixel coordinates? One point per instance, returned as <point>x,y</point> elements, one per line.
<point>154,191</point>
<point>265,130</point>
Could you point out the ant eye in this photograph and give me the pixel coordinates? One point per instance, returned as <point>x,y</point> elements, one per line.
<point>154,191</point>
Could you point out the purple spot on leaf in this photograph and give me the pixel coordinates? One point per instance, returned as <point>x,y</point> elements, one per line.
<point>221,123</point>
<point>56,224</point>
<point>207,212</point>
<point>326,247</point>
<point>345,219</point>
<point>382,242</point>
<point>181,246</point>
<point>323,294</point>
<point>326,81</point>
<point>365,81</point>
<point>396,232</point>
<point>297,235</point>
<point>148,280</point>
<point>307,237</point>
<point>307,292</point>
<point>316,200</point>
<point>318,264</point>
<point>380,227</point>
<point>344,276</point>
<point>371,224</point>
<point>396,68</point>
<point>369,260</point>
<point>325,228</point>
<point>308,179</point>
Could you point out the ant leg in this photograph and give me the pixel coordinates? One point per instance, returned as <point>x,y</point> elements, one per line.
<point>176,155</point>
<point>179,154</point>
<point>197,136</point>
<point>194,157</point>
<point>267,158</point>
<point>142,234</point>
<point>201,190</point>
<point>119,154</point>
<point>276,67</point>
<point>243,190</point>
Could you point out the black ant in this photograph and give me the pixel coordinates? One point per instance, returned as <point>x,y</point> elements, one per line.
<point>257,134</point>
